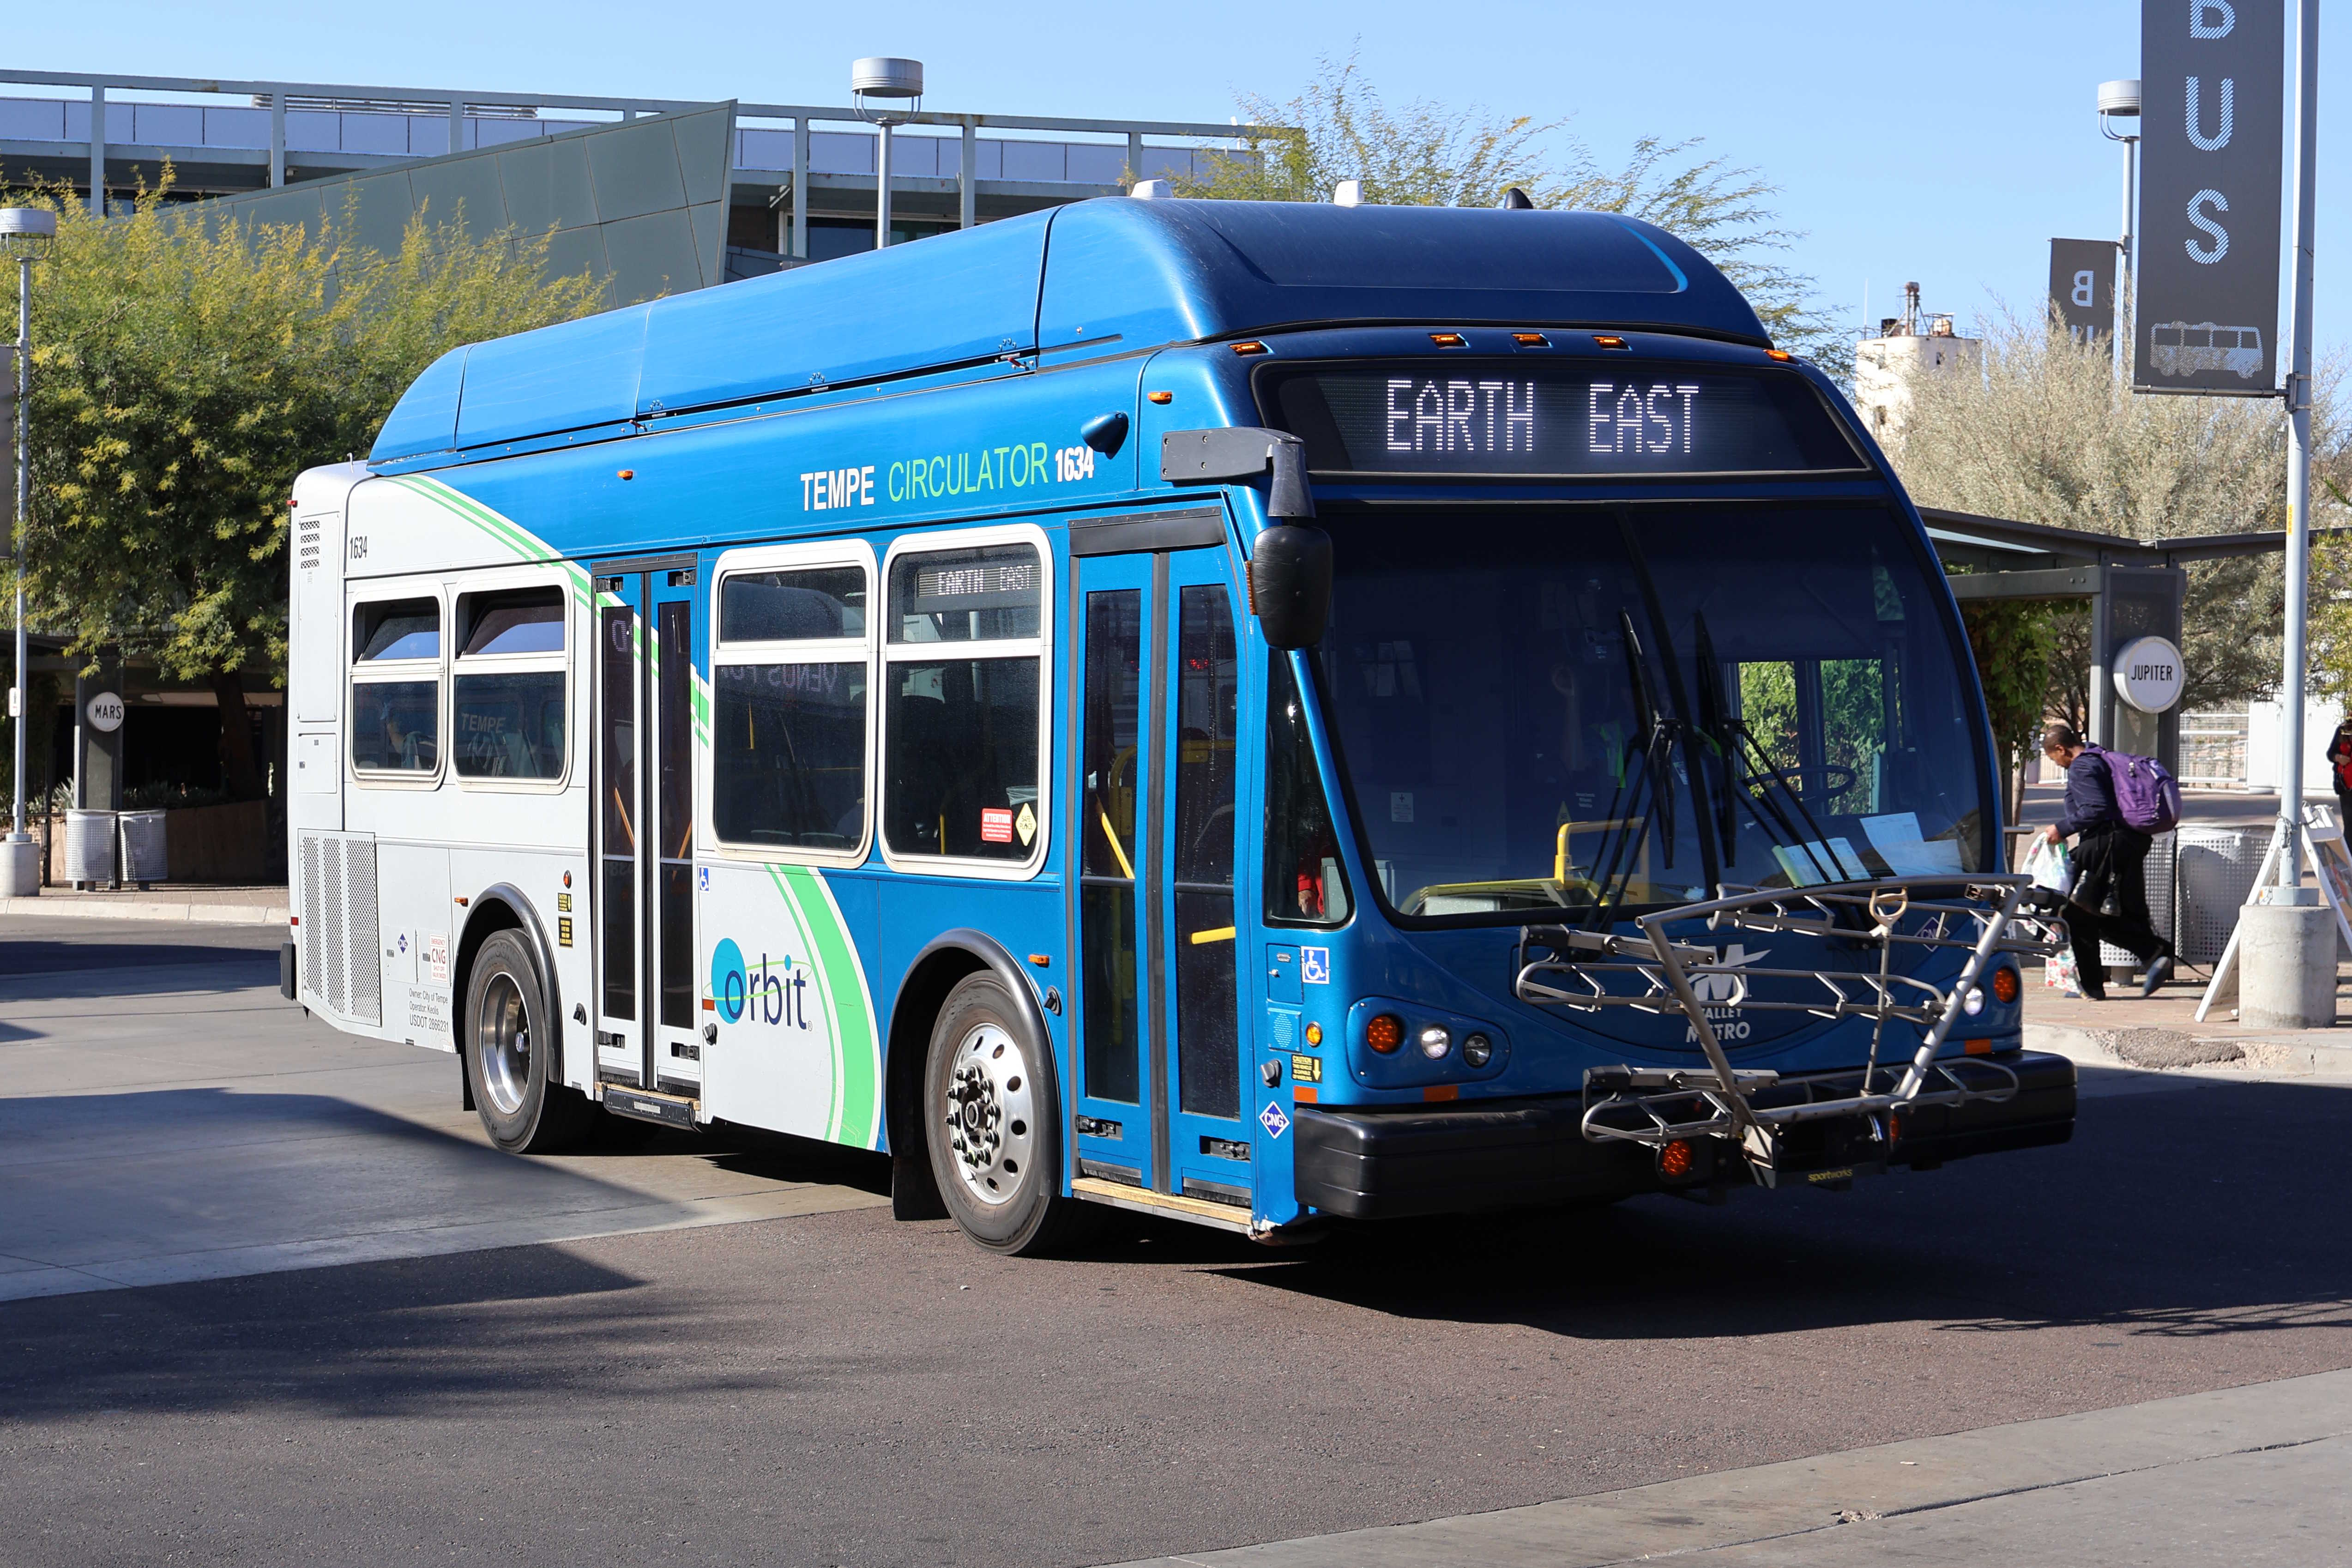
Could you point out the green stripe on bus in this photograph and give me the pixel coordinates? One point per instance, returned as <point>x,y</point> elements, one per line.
<point>857,1061</point>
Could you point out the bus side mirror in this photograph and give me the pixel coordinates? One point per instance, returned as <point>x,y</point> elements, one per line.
<point>1290,584</point>
<point>1242,452</point>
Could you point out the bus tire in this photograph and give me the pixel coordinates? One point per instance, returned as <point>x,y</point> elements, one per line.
<point>509,1058</point>
<point>992,1121</point>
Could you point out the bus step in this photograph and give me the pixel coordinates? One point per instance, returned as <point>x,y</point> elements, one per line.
<point>669,1109</point>
<point>1199,1211</point>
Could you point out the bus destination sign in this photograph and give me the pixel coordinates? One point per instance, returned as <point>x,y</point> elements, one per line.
<point>1584,422</point>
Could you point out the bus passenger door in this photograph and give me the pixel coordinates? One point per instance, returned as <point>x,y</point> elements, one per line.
<point>1158,1102</point>
<point>645,648</point>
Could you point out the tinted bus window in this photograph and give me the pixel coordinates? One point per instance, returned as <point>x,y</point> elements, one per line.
<point>788,754</point>
<point>404,628</point>
<point>397,726</point>
<point>530,621</point>
<point>960,735</point>
<point>1304,884</point>
<point>800,605</point>
<point>509,725</point>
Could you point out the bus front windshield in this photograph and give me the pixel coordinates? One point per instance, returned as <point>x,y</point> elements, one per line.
<point>1580,713</point>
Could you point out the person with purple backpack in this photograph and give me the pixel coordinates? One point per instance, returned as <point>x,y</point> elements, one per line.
<point>2111,851</point>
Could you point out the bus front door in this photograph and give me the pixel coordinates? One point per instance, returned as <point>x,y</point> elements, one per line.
<point>645,648</point>
<point>1158,1100</point>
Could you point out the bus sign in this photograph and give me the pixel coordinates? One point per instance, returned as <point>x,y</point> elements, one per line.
<point>1587,421</point>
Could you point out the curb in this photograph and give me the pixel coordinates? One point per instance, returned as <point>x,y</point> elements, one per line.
<point>83,907</point>
<point>2310,1052</point>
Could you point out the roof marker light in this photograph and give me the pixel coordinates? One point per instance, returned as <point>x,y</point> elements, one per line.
<point>1531,339</point>
<point>1250,346</point>
<point>1610,340</point>
<point>628,473</point>
<point>1161,396</point>
<point>1449,340</point>
<point>1784,355</point>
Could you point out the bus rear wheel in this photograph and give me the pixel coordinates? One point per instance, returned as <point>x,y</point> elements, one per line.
<point>510,1057</point>
<point>992,1120</point>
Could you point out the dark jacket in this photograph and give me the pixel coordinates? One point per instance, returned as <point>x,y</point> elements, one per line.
<point>2090,796</point>
<point>2339,753</point>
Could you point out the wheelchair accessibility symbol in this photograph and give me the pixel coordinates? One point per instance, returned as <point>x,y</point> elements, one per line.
<point>1315,965</point>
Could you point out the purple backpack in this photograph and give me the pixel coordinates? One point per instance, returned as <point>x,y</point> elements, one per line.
<point>2146,795</point>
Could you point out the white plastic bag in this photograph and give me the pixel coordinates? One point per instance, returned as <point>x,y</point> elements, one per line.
<point>2046,863</point>
<point>2062,973</point>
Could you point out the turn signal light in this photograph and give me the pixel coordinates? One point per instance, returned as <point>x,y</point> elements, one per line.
<point>1385,1032</point>
<point>1314,1034</point>
<point>2004,985</point>
<point>1674,1160</point>
<point>1781,354</point>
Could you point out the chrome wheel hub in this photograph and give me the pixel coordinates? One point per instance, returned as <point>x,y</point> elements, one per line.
<point>986,1119</point>
<point>502,1045</point>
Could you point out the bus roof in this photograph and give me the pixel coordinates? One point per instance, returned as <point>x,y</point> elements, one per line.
<point>1111,276</point>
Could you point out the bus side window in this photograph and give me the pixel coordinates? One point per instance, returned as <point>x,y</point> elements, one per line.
<point>789,708</point>
<point>1304,883</point>
<point>506,706</point>
<point>397,687</point>
<point>963,685</point>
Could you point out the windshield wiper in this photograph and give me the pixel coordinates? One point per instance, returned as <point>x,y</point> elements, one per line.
<point>1709,861</point>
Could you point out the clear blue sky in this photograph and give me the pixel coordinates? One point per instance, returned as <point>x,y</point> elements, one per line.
<point>1936,140</point>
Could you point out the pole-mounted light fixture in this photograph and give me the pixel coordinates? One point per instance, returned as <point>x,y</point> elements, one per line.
<point>886,91</point>
<point>25,232</point>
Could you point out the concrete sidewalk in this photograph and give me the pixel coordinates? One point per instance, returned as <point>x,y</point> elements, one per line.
<point>2162,1033</point>
<point>202,904</point>
<point>2251,1476</point>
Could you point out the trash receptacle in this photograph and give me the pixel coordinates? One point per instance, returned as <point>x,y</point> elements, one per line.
<point>144,859</point>
<point>89,847</point>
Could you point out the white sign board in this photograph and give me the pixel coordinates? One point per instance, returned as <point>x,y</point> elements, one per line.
<point>105,712</point>
<point>2148,674</point>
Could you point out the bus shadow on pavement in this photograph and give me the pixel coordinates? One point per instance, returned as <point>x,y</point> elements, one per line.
<point>34,969</point>
<point>442,1334</point>
<point>2212,1211</point>
<point>155,1186</point>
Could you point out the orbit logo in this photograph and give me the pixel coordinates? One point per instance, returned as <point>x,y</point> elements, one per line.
<point>765,993</point>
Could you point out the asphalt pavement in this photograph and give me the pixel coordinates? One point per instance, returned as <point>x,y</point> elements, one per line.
<point>827,1386</point>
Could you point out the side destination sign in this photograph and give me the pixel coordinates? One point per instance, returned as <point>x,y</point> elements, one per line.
<point>937,476</point>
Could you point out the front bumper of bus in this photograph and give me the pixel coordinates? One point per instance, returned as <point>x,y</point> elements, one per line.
<point>1394,1163</point>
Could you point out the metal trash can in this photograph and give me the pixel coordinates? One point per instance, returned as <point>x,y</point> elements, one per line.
<point>89,847</point>
<point>144,859</point>
<point>2214,876</point>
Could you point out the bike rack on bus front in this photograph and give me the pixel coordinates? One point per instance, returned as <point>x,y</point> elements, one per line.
<point>1588,970</point>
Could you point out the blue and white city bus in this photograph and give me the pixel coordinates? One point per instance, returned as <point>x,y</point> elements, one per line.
<point>1256,713</point>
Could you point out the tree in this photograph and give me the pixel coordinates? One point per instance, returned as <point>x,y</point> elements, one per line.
<point>2051,434</point>
<point>185,371</point>
<point>1427,154</point>
<point>2012,642</point>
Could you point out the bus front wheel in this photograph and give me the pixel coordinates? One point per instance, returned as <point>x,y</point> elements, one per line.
<point>510,1055</point>
<point>992,1121</point>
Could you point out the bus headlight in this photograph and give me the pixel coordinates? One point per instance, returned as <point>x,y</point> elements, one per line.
<point>1435,1041</point>
<point>1478,1050</point>
<point>1974,1003</point>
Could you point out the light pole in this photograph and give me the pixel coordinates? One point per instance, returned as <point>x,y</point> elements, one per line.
<point>25,232</point>
<point>886,91</point>
<point>2120,100</point>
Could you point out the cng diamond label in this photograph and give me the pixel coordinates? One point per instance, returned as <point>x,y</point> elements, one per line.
<point>1272,1119</point>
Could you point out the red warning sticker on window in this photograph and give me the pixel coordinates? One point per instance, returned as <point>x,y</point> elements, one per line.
<point>995,824</point>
